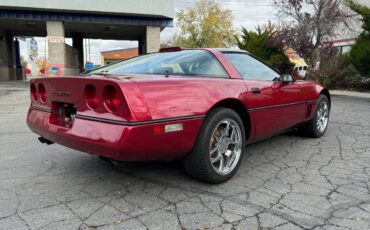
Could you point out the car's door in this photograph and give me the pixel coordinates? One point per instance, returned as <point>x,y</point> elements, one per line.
<point>273,105</point>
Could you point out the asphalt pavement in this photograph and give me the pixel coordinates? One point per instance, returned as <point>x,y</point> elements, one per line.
<point>286,182</point>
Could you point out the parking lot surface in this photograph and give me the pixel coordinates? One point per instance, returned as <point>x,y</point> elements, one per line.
<point>286,182</point>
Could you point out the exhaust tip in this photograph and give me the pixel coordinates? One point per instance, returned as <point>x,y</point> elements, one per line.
<point>45,141</point>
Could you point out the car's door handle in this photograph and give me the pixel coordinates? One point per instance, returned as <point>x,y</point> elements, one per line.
<point>256,90</point>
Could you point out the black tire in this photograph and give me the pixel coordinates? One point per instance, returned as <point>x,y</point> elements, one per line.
<point>197,164</point>
<point>310,129</point>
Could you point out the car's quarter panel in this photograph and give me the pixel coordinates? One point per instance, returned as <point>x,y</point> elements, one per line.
<point>187,96</point>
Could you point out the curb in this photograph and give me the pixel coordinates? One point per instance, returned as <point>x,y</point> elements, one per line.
<point>349,93</point>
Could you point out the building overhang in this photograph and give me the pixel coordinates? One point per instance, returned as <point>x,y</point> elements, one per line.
<point>85,18</point>
<point>143,8</point>
<point>95,26</point>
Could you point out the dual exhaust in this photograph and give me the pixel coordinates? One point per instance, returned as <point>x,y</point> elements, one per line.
<point>45,141</point>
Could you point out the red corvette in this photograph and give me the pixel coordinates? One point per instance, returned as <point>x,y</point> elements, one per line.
<point>202,106</point>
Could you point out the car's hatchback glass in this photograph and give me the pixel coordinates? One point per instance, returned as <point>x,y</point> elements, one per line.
<point>182,63</point>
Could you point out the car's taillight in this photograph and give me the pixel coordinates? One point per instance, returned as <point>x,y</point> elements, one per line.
<point>91,97</point>
<point>111,98</point>
<point>33,92</point>
<point>42,92</point>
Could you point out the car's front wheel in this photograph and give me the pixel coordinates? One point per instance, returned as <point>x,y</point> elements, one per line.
<point>317,126</point>
<point>218,150</point>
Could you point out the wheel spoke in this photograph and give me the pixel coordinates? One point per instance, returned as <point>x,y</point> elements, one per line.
<point>216,159</point>
<point>229,159</point>
<point>213,150</point>
<point>233,135</point>
<point>221,163</point>
<point>227,129</point>
<point>218,139</point>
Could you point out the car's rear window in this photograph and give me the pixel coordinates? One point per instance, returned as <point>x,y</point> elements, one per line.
<point>182,63</point>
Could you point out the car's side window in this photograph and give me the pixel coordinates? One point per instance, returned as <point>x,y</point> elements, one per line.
<point>250,68</point>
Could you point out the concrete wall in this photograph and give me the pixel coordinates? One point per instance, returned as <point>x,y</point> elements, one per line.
<point>71,66</point>
<point>7,70</point>
<point>56,50</point>
<point>4,70</point>
<point>163,8</point>
<point>61,55</point>
<point>153,37</point>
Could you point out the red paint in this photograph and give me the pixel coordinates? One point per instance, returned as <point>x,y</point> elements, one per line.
<point>146,98</point>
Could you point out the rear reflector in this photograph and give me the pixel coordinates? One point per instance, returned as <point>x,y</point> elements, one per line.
<point>160,129</point>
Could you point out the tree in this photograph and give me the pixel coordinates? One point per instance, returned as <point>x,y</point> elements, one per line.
<point>24,62</point>
<point>43,65</point>
<point>311,22</point>
<point>360,52</point>
<point>266,44</point>
<point>205,25</point>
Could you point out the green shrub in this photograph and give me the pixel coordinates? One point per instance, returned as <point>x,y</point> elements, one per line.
<point>339,73</point>
<point>347,78</point>
<point>360,54</point>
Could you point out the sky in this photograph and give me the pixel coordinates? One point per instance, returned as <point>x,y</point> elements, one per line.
<point>247,13</point>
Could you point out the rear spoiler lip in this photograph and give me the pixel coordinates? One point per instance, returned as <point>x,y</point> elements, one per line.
<point>170,49</point>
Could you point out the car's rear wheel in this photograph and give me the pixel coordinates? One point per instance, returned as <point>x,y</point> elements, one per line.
<point>317,126</point>
<point>218,150</point>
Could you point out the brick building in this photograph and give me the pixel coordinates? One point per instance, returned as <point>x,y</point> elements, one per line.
<point>111,56</point>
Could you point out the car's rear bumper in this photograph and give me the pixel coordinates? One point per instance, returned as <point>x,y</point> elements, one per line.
<point>116,141</point>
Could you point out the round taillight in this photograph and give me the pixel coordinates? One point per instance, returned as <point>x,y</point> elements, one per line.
<point>33,92</point>
<point>91,97</point>
<point>111,98</point>
<point>42,92</point>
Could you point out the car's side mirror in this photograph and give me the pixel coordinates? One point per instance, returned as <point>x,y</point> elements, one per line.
<point>286,78</point>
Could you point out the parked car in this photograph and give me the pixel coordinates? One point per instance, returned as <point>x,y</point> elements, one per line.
<point>301,70</point>
<point>200,105</point>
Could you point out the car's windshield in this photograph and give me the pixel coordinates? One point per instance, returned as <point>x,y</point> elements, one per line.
<point>182,63</point>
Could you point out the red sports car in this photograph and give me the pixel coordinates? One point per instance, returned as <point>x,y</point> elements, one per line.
<point>200,105</point>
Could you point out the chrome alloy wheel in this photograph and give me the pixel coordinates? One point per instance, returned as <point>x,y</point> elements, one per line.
<point>225,146</point>
<point>322,116</point>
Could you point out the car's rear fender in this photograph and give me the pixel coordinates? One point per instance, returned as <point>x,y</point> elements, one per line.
<point>187,96</point>
<point>238,106</point>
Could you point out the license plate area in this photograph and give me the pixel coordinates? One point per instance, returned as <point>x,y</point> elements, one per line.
<point>63,114</point>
